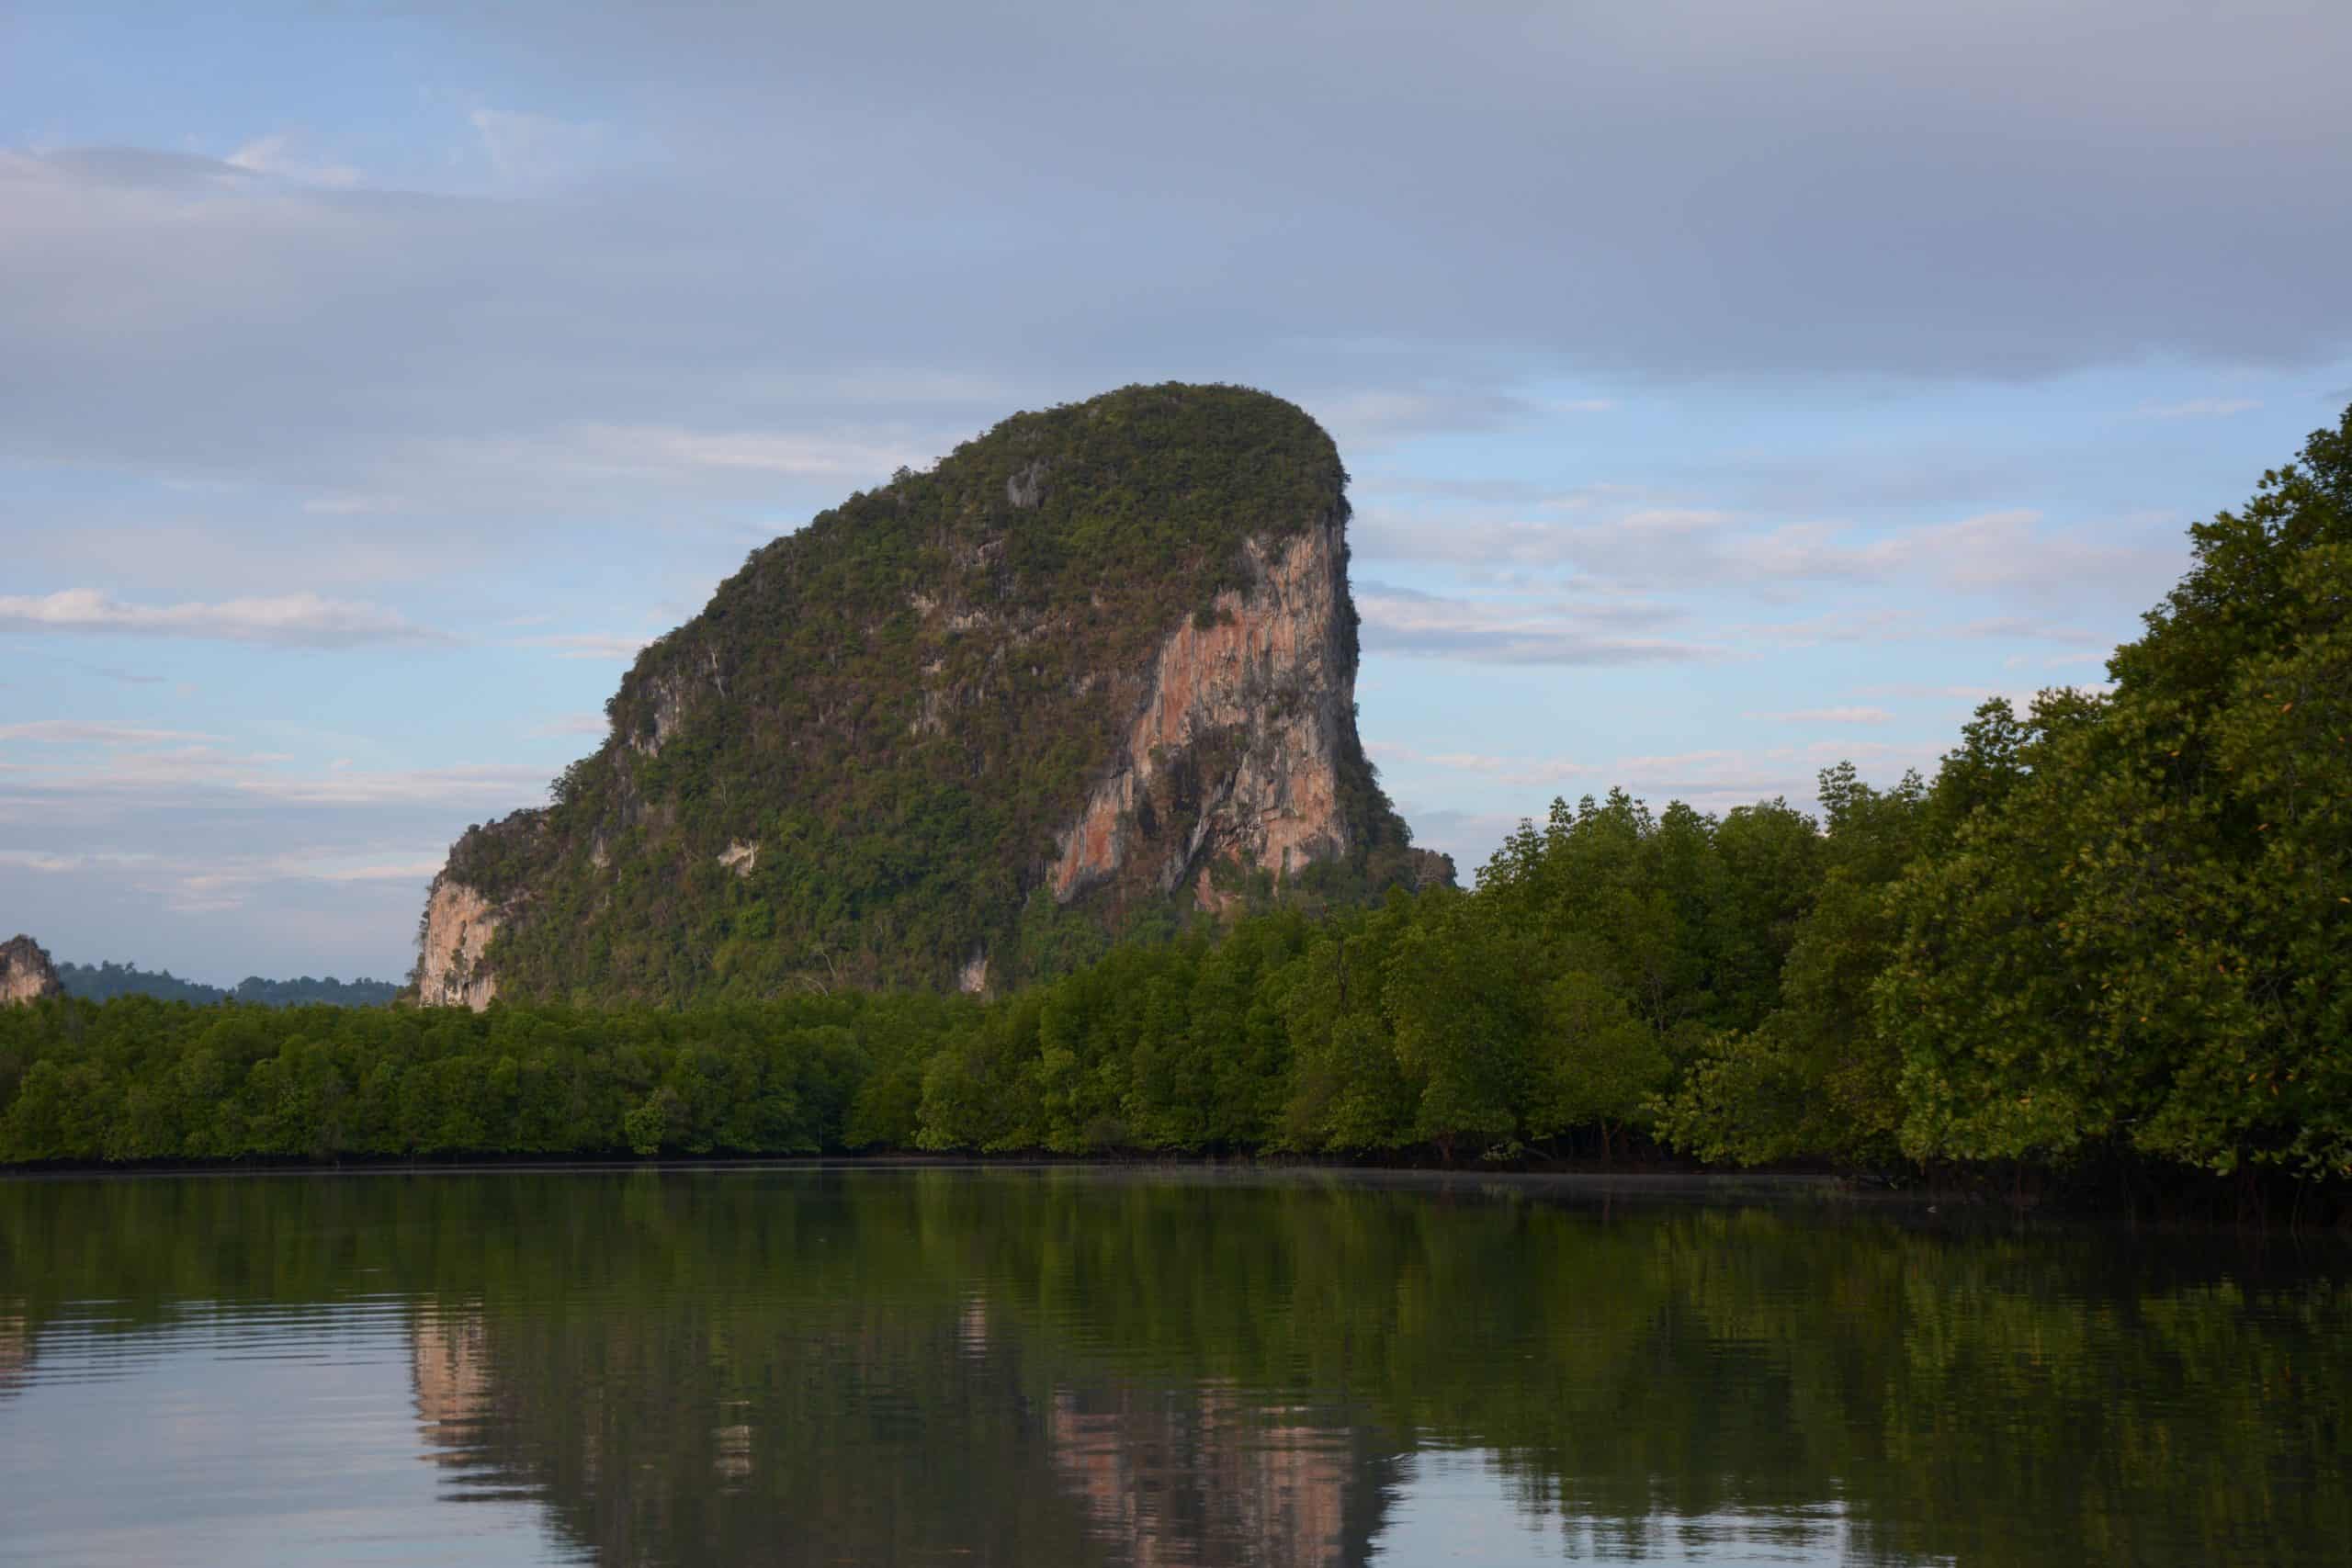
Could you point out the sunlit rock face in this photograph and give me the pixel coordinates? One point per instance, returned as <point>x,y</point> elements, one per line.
<point>26,973</point>
<point>452,969</point>
<point>1248,710</point>
<point>1099,664</point>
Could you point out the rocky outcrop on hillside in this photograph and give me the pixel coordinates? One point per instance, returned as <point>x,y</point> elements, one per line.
<point>1264,677</point>
<point>1099,662</point>
<point>453,946</point>
<point>26,973</point>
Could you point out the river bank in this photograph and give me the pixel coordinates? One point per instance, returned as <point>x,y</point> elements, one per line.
<point>2151,1197</point>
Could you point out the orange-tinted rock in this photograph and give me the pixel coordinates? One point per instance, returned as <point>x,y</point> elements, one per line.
<point>458,924</point>
<point>1258,703</point>
<point>26,973</point>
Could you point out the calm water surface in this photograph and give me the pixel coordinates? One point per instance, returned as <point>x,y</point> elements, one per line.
<point>1040,1367</point>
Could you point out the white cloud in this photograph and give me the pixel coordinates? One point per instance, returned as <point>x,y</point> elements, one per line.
<point>1825,715</point>
<point>1680,547</point>
<point>2197,408</point>
<point>1375,418</point>
<point>1712,780</point>
<point>1835,625</point>
<point>277,156</point>
<point>125,677</point>
<point>2026,628</point>
<point>422,868</point>
<point>586,645</point>
<point>599,465</point>
<point>193,830</point>
<point>42,861</point>
<point>1920,691</point>
<point>492,784</point>
<point>654,449</point>
<point>2011,549</point>
<point>290,620</point>
<point>592,724</point>
<point>1640,543</point>
<point>532,148</point>
<point>204,777</point>
<point>1400,621</point>
<point>1675,761</point>
<point>1903,626</point>
<point>90,732</point>
<point>211,884</point>
<point>1522,772</point>
<point>252,551</point>
<point>351,504</point>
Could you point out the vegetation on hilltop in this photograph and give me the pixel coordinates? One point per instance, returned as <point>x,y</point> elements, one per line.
<point>900,705</point>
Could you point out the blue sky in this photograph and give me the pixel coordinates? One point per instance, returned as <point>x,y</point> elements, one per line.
<point>1728,390</point>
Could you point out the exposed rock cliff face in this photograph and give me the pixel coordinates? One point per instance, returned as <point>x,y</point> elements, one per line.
<point>1264,678</point>
<point>451,967</point>
<point>26,973</point>
<point>1098,662</point>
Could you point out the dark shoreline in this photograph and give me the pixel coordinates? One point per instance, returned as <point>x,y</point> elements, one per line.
<point>1662,1176</point>
<point>2068,1198</point>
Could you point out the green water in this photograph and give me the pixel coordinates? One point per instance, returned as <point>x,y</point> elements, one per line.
<point>1049,1367</point>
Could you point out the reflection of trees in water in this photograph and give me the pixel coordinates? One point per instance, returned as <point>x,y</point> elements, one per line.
<point>1074,1368</point>
<point>870,1442</point>
<point>691,1433</point>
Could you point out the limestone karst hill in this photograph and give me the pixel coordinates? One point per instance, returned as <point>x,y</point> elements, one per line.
<point>26,973</point>
<point>1095,668</point>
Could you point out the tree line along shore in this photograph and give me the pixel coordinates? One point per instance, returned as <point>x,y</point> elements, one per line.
<point>2113,930</point>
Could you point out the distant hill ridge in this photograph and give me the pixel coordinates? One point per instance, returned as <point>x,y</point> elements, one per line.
<point>97,982</point>
<point>1094,671</point>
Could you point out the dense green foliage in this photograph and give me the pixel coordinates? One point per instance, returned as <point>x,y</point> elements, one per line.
<point>908,1366</point>
<point>1550,1005</point>
<point>2119,926</point>
<point>136,1078</point>
<point>99,981</point>
<point>2145,937</point>
<point>901,705</point>
<point>2117,923</point>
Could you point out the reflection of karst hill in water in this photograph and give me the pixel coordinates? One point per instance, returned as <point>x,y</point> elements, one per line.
<point>875,1445</point>
<point>750,1435</point>
<point>1202,1478</point>
<point>448,1357</point>
<point>886,1367</point>
<point>15,1351</point>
